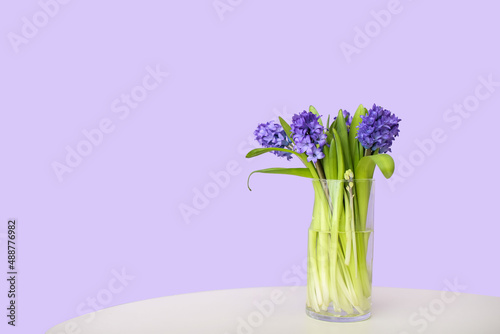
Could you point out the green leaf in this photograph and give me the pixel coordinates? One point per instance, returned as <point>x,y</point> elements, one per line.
<point>341,128</point>
<point>302,156</point>
<point>326,162</point>
<point>340,156</point>
<point>333,159</point>
<point>314,111</point>
<point>334,124</point>
<point>330,160</point>
<point>287,128</point>
<point>364,170</point>
<point>356,120</point>
<point>366,166</point>
<point>258,151</point>
<point>361,151</point>
<point>353,132</point>
<point>303,172</point>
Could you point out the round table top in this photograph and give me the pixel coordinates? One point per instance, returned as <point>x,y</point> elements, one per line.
<point>282,310</point>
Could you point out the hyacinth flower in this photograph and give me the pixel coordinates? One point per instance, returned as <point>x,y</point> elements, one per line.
<point>339,157</point>
<point>308,135</point>
<point>378,130</point>
<point>272,135</point>
<point>319,146</point>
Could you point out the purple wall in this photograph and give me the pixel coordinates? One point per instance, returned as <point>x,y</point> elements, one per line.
<point>106,227</point>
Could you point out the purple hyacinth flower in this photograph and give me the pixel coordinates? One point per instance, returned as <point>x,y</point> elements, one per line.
<point>314,154</point>
<point>378,129</point>
<point>309,136</point>
<point>271,134</point>
<point>304,145</point>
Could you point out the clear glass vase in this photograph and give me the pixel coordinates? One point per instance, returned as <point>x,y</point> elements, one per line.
<point>340,251</point>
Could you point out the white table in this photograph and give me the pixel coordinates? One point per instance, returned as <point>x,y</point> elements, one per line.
<point>282,310</point>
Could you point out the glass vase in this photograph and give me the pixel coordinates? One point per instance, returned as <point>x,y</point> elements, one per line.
<point>340,251</point>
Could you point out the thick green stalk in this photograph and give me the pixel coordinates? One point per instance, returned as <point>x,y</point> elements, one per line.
<point>320,226</point>
<point>353,230</point>
<point>348,230</point>
<point>345,284</point>
<point>350,283</point>
<point>312,269</point>
<point>362,246</point>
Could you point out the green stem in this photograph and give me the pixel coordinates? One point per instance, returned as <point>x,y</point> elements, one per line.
<point>333,278</point>
<point>348,231</point>
<point>353,230</point>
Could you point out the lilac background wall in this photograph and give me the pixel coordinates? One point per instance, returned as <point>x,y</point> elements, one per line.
<point>119,209</point>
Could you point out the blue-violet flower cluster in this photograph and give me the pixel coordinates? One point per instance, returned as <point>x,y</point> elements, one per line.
<point>378,129</point>
<point>271,134</point>
<point>309,136</point>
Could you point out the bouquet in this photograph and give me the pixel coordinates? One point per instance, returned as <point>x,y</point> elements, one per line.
<point>340,157</point>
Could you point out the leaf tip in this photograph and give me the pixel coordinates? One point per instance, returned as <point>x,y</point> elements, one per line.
<point>248,181</point>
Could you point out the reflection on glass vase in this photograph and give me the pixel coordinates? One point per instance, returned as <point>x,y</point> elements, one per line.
<point>340,250</point>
